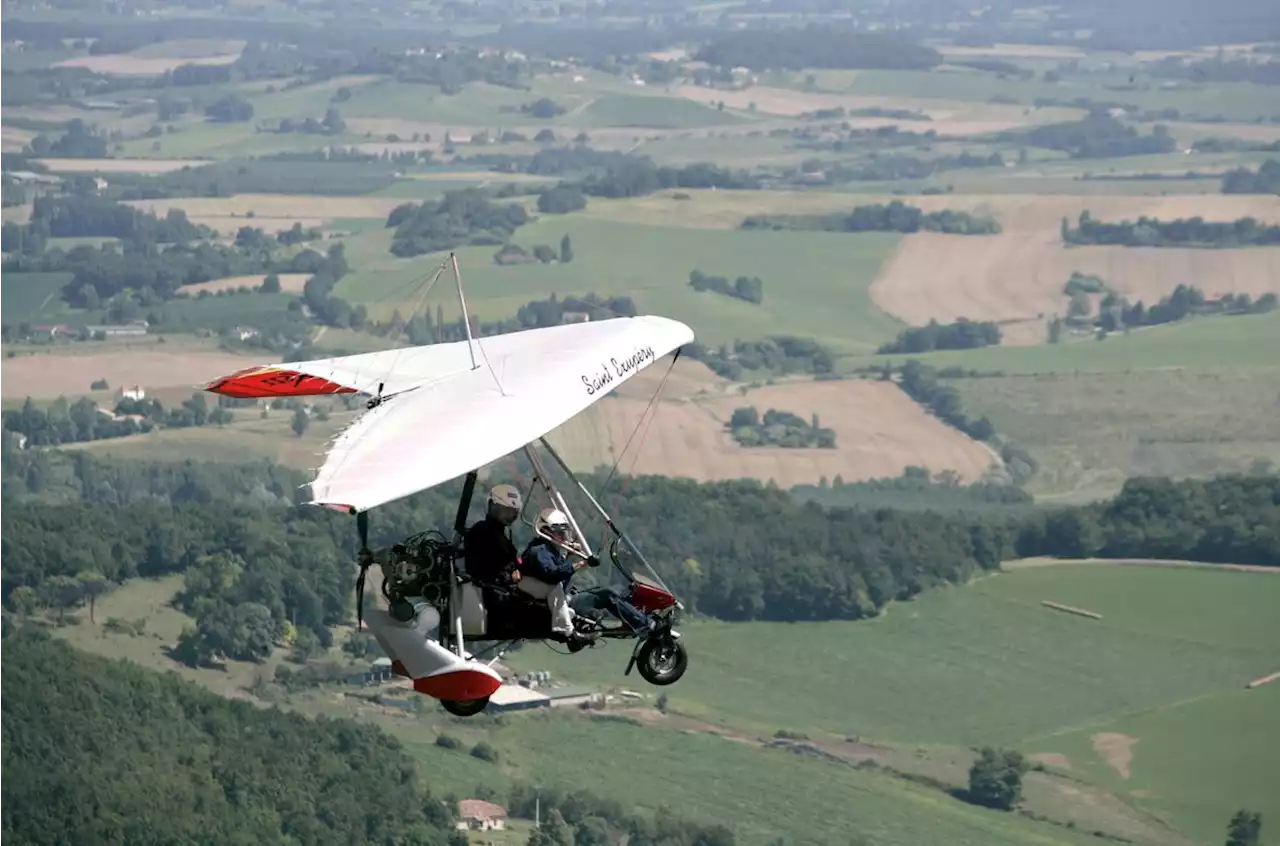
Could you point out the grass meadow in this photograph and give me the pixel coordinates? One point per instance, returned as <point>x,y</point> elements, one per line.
<point>815,284</point>
<point>33,297</point>
<point>973,665</point>
<point>1090,431</point>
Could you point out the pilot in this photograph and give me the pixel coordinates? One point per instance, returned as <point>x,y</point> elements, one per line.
<point>545,570</point>
<point>490,554</point>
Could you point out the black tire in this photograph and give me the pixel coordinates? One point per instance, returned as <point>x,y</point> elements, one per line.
<point>662,660</point>
<point>465,707</point>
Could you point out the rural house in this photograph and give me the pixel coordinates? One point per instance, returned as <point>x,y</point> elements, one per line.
<point>479,815</point>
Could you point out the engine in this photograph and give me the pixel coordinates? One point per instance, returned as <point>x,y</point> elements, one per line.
<point>419,568</point>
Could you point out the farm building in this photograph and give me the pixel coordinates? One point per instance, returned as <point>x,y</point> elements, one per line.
<point>570,695</point>
<point>479,815</point>
<point>130,330</point>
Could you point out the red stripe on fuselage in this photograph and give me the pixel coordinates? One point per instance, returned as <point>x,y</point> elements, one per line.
<point>258,382</point>
<point>458,686</point>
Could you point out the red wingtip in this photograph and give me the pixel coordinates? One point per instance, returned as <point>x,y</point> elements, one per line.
<point>458,686</point>
<point>260,382</point>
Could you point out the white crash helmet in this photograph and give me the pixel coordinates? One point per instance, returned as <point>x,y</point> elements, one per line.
<point>552,521</point>
<point>505,503</point>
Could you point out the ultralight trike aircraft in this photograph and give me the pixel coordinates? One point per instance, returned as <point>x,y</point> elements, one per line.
<point>435,414</point>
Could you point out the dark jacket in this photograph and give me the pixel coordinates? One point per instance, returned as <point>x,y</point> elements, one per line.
<point>545,562</point>
<point>489,553</point>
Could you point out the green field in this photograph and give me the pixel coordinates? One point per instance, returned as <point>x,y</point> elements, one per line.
<point>33,297</point>
<point>653,111</point>
<point>1234,101</point>
<point>1090,431</point>
<point>815,283</point>
<point>1249,342</point>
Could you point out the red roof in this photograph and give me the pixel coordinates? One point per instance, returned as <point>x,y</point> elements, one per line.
<point>478,809</point>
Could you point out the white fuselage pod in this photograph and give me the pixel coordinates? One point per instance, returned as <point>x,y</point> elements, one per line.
<point>434,670</point>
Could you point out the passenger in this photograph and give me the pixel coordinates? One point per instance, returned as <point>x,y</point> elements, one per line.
<point>489,552</point>
<point>545,570</point>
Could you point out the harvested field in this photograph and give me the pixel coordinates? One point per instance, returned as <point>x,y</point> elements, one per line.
<point>1019,274</point>
<point>150,166</point>
<point>49,376</point>
<point>155,59</point>
<point>292,206</point>
<point>1116,749</point>
<point>879,432</point>
<point>1011,51</point>
<point>946,117</point>
<point>15,139</point>
<point>290,283</point>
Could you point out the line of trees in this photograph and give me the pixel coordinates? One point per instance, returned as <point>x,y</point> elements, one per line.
<point>778,429</point>
<point>1264,180</point>
<point>1115,312</point>
<point>1183,232</point>
<point>895,216</point>
<point>746,288</point>
<point>964,334</point>
<point>922,384</point>
<point>84,420</point>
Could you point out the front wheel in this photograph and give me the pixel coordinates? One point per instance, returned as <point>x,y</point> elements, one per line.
<point>465,707</point>
<point>662,660</point>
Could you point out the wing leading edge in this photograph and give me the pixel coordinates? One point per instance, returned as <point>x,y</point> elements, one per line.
<point>445,418</point>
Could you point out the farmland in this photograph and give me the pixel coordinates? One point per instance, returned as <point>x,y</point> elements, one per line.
<point>1019,274</point>
<point>688,438</point>
<point>1115,710</point>
<point>145,363</point>
<point>824,297</point>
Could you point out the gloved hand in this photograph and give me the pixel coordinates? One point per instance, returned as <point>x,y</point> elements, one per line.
<point>592,561</point>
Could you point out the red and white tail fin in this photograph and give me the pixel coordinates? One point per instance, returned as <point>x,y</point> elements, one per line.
<point>434,670</point>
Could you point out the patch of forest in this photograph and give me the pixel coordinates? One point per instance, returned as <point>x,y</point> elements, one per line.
<point>895,216</point>
<point>1096,136</point>
<point>780,355</point>
<point>814,46</point>
<point>961,335</point>
<point>749,289</point>
<point>1264,180</point>
<point>778,429</point>
<point>459,218</point>
<point>1182,232</point>
<point>102,751</point>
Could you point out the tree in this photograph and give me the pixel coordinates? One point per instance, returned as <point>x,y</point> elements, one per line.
<point>301,420</point>
<point>270,284</point>
<point>544,254</point>
<point>553,831</point>
<point>1245,828</point>
<point>24,600</point>
<point>566,250</point>
<point>995,779</point>
<point>93,584</point>
<point>61,592</point>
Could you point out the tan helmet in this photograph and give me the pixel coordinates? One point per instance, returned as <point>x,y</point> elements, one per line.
<point>505,503</point>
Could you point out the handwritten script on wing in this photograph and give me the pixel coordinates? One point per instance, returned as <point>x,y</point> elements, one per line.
<point>616,369</point>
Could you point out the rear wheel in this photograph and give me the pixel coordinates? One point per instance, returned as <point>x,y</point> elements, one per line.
<point>662,660</point>
<point>465,707</point>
